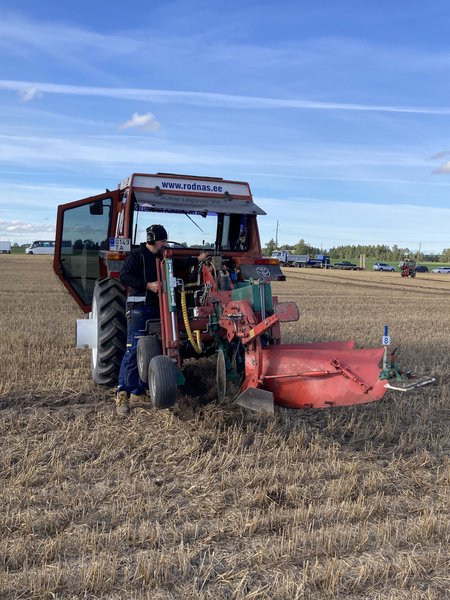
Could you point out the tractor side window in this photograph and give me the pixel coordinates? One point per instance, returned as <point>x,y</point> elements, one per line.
<point>225,236</point>
<point>85,233</point>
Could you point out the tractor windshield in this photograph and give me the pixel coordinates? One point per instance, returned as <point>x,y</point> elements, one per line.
<point>195,222</point>
<point>190,230</point>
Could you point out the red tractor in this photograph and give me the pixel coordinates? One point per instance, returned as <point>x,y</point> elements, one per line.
<point>408,267</point>
<point>224,307</point>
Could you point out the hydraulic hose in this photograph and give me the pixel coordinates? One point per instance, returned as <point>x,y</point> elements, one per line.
<point>197,345</point>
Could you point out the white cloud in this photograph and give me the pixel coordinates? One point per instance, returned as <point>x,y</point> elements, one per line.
<point>145,122</point>
<point>444,168</point>
<point>26,37</point>
<point>22,227</point>
<point>30,93</point>
<point>349,178</point>
<point>440,155</point>
<point>215,99</point>
<point>103,153</point>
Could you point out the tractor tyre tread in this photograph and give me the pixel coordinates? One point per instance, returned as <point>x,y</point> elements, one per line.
<point>162,381</point>
<point>148,347</point>
<point>112,331</point>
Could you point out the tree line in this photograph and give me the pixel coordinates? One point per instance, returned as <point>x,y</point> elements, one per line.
<point>349,252</point>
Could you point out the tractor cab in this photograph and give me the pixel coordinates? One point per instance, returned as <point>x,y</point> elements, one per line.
<point>199,213</point>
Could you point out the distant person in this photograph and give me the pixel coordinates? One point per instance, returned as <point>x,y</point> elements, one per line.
<point>140,275</point>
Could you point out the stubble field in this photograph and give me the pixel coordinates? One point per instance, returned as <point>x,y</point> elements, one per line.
<point>210,502</point>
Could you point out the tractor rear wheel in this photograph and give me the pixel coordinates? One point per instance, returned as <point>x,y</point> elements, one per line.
<point>108,308</point>
<point>147,348</point>
<point>162,382</point>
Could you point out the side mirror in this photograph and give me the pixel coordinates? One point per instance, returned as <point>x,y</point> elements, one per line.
<point>96,208</point>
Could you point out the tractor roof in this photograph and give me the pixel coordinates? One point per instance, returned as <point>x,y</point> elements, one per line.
<point>184,193</point>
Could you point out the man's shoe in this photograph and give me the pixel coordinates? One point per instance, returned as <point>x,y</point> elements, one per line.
<point>137,400</point>
<point>122,403</point>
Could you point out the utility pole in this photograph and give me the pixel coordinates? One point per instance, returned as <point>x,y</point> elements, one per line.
<point>418,254</point>
<point>276,238</point>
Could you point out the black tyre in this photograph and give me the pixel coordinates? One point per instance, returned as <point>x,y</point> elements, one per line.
<point>147,348</point>
<point>108,307</point>
<point>162,382</point>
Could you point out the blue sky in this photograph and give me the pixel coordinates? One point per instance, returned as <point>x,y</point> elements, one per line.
<point>337,113</point>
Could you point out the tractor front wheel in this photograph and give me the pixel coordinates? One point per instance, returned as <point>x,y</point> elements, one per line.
<point>108,308</point>
<point>162,381</point>
<point>147,348</point>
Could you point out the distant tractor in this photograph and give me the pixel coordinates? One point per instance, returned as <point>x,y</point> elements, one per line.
<point>408,267</point>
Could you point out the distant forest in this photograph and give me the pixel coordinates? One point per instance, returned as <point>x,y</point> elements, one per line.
<point>379,251</point>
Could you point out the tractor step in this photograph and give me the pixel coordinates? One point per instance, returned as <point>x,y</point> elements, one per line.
<point>410,384</point>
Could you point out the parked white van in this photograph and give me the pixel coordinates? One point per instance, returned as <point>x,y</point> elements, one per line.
<point>41,247</point>
<point>5,247</point>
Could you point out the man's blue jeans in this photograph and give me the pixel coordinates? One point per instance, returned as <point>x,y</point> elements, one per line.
<point>137,318</point>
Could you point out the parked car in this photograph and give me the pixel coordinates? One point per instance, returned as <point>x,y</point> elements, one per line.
<point>41,247</point>
<point>345,264</point>
<point>421,269</point>
<point>441,270</point>
<point>380,266</point>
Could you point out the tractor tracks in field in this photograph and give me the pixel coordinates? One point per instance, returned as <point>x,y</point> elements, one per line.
<point>51,400</point>
<point>410,286</point>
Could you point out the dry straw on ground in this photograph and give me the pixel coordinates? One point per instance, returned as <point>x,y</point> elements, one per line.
<point>209,502</point>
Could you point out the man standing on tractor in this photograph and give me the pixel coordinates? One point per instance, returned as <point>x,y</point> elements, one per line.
<point>139,273</point>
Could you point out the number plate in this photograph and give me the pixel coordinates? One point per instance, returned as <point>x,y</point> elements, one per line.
<point>120,244</point>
